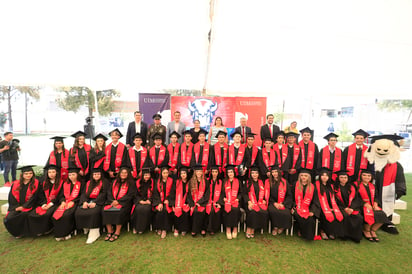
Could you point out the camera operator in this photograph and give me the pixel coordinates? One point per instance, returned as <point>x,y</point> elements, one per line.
<point>9,148</point>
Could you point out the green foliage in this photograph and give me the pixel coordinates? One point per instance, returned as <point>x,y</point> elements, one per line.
<point>75,97</point>
<point>278,117</point>
<point>392,105</point>
<point>3,119</point>
<point>344,133</point>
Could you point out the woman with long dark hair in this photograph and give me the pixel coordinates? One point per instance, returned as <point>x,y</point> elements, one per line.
<point>195,131</point>
<point>116,211</point>
<point>215,204</point>
<point>180,203</point>
<point>141,216</point>
<point>23,197</point>
<point>49,198</point>
<point>97,154</point>
<point>59,157</point>
<point>79,155</point>
<point>231,197</point>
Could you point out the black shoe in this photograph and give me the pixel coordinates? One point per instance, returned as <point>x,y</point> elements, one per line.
<point>390,228</point>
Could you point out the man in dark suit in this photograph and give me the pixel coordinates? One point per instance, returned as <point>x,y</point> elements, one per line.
<point>137,126</point>
<point>243,129</point>
<point>269,130</point>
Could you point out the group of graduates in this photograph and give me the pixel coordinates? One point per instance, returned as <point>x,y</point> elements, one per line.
<point>197,188</point>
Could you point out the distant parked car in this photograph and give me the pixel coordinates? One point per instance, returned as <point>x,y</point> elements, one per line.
<point>372,133</point>
<point>406,142</point>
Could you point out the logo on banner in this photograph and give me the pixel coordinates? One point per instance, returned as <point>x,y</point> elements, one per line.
<point>203,110</point>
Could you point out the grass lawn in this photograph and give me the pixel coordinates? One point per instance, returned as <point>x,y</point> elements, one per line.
<point>149,254</point>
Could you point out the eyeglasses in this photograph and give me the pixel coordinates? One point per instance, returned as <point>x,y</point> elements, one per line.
<point>333,140</point>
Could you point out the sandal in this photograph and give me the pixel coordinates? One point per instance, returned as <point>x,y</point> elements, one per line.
<point>252,235</point>
<point>370,239</point>
<point>108,236</point>
<point>324,236</point>
<point>375,238</point>
<point>247,236</point>
<point>114,237</point>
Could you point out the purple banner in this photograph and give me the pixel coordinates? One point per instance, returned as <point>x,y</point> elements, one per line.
<point>152,103</point>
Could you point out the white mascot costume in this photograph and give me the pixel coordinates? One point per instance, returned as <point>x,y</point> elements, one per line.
<point>390,182</point>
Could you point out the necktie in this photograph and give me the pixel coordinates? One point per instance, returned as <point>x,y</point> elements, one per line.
<point>243,134</point>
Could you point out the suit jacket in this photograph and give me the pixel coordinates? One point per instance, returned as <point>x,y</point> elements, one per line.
<point>264,132</point>
<point>247,130</point>
<point>171,128</point>
<point>131,131</point>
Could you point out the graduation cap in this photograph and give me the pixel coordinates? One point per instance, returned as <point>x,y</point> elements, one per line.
<point>137,135</point>
<point>267,139</point>
<point>202,131</point>
<point>78,134</point>
<point>198,167</point>
<point>289,134</point>
<point>187,132</point>
<point>220,132</point>
<point>97,170</point>
<point>26,168</point>
<point>305,170</point>
<point>73,169</point>
<point>250,135</point>
<point>361,132</point>
<point>157,136</point>
<point>183,168</point>
<point>51,167</point>
<point>57,138</point>
<point>274,167</point>
<point>100,136</point>
<point>157,116</point>
<point>117,131</point>
<point>341,172</point>
<point>174,133</point>
<point>215,167</point>
<point>330,135</point>
<point>165,166</point>
<point>146,170</point>
<point>280,133</point>
<point>254,168</point>
<point>306,130</point>
<point>393,137</point>
<point>235,133</point>
<point>230,167</point>
<point>367,171</point>
<point>324,170</point>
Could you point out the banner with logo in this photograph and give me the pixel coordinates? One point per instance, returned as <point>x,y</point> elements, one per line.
<point>152,103</point>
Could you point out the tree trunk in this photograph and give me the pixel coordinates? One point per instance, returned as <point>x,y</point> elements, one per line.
<point>9,118</point>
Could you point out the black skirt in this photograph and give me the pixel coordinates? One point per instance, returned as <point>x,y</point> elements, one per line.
<point>16,223</point>
<point>199,221</point>
<point>141,217</point>
<point>65,225</point>
<point>163,220</point>
<point>89,217</point>
<point>380,217</point>
<point>40,224</point>
<point>231,218</point>
<point>119,217</point>
<point>256,219</point>
<point>305,226</point>
<point>280,218</point>
<point>182,223</point>
<point>334,228</point>
<point>353,226</point>
<point>215,220</point>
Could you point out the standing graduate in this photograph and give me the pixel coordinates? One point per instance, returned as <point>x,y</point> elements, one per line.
<point>138,157</point>
<point>119,200</point>
<point>252,153</point>
<point>180,203</point>
<point>280,202</point>
<point>59,157</point>
<point>310,151</point>
<point>79,155</point>
<point>373,214</point>
<point>116,154</point>
<point>63,216</point>
<point>185,152</point>
<point>51,192</point>
<point>304,208</point>
<point>291,160</point>
<point>236,154</point>
<point>201,152</point>
<point>141,216</point>
<point>231,197</point>
<point>278,147</point>
<point>173,149</point>
<point>267,159</point>
<point>215,204</point>
<point>88,215</point>
<point>330,216</point>
<point>256,195</point>
<point>198,197</point>
<point>159,155</point>
<point>219,153</point>
<point>331,156</point>
<point>98,153</point>
<point>347,198</point>
<point>23,198</point>
<point>161,203</point>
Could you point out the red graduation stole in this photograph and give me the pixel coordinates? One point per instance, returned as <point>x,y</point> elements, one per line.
<point>214,197</point>
<point>296,150</point>
<point>255,151</point>
<point>368,214</point>
<point>326,208</point>
<point>118,194</point>
<point>181,199</point>
<point>197,195</point>
<point>231,194</point>
<point>87,148</point>
<point>64,162</point>
<point>303,200</point>
<point>169,183</point>
<point>69,196</point>
<point>263,195</point>
<point>173,155</point>
<point>132,157</point>
<point>118,158</point>
<point>98,162</point>
<point>308,163</point>
<point>351,197</point>
<point>277,151</point>
<point>281,191</point>
<point>336,163</point>
<point>95,191</point>
<point>268,161</point>
<point>389,176</point>
<point>162,155</point>
<point>239,158</point>
<point>218,156</point>
<point>205,158</point>
<point>350,161</point>
<point>29,193</point>
<point>50,194</point>
<point>186,154</point>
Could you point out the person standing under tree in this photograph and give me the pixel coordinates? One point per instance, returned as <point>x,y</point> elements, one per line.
<point>9,149</point>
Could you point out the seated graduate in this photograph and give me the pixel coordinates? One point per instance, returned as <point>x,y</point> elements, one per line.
<point>63,216</point>
<point>280,201</point>
<point>180,203</point>
<point>373,215</point>
<point>347,198</point>
<point>199,194</point>
<point>304,207</point>
<point>98,152</point>
<point>256,196</point>
<point>116,211</point>
<point>141,216</point>
<point>215,204</point>
<point>161,203</point>
<point>23,198</point>
<point>49,198</point>
<point>231,197</point>
<point>330,216</point>
<point>88,215</point>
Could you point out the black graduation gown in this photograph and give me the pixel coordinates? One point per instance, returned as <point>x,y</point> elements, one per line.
<point>84,162</point>
<point>155,164</point>
<point>280,218</point>
<point>379,215</point>
<point>193,161</point>
<point>212,159</point>
<point>331,158</point>
<point>16,222</point>
<point>66,224</point>
<point>315,160</point>
<point>231,218</point>
<point>113,152</point>
<point>41,224</point>
<point>163,220</point>
<point>215,218</point>
<point>142,214</point>
<point>118,217</point>
<point>147,163</point>
<point>96,156</point>
<point>353,223</point>
<point>358,158</point>
<point>291,178</point>
<point>263,169</point>
<point>199,220</point>
<point>254,219</point>
<point>91,217</point>
<point>306,226</point>
<point>334,228</point>
<point>182,223</point>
